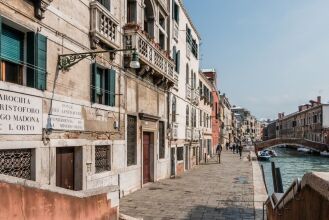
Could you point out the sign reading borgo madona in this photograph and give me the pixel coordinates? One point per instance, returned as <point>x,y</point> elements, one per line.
<point>20,114</point>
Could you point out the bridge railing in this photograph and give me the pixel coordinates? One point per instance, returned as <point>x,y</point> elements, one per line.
<point>293,141</point>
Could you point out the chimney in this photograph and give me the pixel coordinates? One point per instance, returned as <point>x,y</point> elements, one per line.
<point>300,108</point>
<point>282,114</point>
<point>279,115</point>
<point>319,99</point>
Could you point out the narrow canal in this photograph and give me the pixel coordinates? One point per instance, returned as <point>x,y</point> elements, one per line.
<point>293,164</point>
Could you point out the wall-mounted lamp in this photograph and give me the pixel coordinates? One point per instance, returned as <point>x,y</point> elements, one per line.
<point>65,61</point>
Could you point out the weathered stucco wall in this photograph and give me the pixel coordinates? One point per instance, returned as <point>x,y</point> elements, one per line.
<point>19,201</point>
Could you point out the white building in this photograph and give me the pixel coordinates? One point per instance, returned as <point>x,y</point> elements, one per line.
<point>87,121</point>
<point>185,133</point>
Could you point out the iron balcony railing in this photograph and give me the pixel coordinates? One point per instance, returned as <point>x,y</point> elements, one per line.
<point>188,134</point>
<point>188,91</point>
<point>175,30</point>
<point>174,131</point>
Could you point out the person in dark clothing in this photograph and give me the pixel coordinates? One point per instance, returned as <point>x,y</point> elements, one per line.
<point>237,148</point>
<point>227,145</point>
<point>219,151</point>
<point>240,150</point>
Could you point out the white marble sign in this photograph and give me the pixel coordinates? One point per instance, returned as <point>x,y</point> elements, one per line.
<point>65,109</point>
<point>20,114</point>
<point>64,116</point>
<point>64,123</point>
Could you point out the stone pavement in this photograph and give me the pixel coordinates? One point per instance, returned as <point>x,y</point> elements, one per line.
<point>210,191</point>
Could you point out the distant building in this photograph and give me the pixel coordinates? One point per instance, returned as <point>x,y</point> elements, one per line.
<point>310,122</point>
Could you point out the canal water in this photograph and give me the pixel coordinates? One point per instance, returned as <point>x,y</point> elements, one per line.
<point>293,164</point>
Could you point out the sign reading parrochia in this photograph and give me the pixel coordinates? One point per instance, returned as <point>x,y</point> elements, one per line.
<point>20,114</point>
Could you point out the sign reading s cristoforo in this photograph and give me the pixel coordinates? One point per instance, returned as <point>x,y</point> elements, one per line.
<point>20,114</point>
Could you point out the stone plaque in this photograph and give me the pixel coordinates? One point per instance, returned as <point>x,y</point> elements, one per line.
<point>63,123</point>
<point>65,109</point>
<point>64,116</point>
<point>20,114</point>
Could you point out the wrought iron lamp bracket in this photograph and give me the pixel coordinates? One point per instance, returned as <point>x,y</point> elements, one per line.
<point>65,61</point>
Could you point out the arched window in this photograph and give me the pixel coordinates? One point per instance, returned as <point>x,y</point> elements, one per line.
<point>173,109</point>
<point>187,74</point>
<point>187,115</point>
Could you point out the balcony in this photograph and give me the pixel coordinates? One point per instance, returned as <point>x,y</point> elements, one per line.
<point>174,131</point>
<point>104,26</point>
<point>151,55</point>
<point>175,30</point>
<point>196,134</point>
<point>188,91</point>
<point>188,50</point>
<point>195,98</point>
<point>188,134</point>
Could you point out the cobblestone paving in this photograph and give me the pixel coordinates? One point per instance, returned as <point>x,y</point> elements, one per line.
<point>212,191</point>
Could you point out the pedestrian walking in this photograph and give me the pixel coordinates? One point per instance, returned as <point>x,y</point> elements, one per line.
<point>233,148</point>
<point>237,148</point>
<point>240,150</point>
<point>219,151</point>
<point>227,145</point>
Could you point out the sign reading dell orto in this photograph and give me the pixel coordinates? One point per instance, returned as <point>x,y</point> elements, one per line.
<point>20,114</point>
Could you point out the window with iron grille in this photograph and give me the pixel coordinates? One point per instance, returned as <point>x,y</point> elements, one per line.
<point>131,140</point>
<point>161,140</point>
<point>102,158</point>
<point>17,163</point>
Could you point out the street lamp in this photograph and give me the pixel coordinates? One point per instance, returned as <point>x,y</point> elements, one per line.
<point>65,61</point>
<point>134,63</point>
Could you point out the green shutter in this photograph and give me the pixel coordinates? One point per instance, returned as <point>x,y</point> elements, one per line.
<point>174,53</point>
<point>36,71</point>
<point>41,58</point>
<point>12,45</point>
<point>110,87</point>
<point>93,82</point>
<point>178,62</point>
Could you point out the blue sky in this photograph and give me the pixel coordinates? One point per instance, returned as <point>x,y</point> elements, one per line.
<point>271,56</point>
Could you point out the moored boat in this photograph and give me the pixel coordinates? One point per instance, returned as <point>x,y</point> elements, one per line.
<point>303,150</point>
<point>263,155</point>
<point>324,153</point>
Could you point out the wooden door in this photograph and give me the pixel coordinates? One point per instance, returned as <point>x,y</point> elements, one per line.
<point>172,159</point>
<point>65,168</point>
<point>186,157</point>
<point>146,158</point>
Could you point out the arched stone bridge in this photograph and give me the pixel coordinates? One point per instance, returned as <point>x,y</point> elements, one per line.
<point>294,142</point>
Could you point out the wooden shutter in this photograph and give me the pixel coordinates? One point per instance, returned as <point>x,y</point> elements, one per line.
<point>36,72</point>
<point>41,58</point>
<point>110,87</point>
<point>178,61</point>
<point>93,82</point>
<point>12,44</point>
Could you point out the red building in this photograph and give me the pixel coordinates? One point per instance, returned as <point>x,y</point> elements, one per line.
<point>215,115</point>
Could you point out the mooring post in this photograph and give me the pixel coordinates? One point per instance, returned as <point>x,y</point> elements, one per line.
<point>263,174</point>
<point>274,177</point>
<point>278,180</point>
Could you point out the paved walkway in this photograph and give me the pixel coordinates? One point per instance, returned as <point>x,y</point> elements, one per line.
<point>206,192</point>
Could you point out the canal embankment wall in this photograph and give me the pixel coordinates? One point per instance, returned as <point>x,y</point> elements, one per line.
<point>308,200</point>
<point>260,193</point>
<point>24,199</point>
